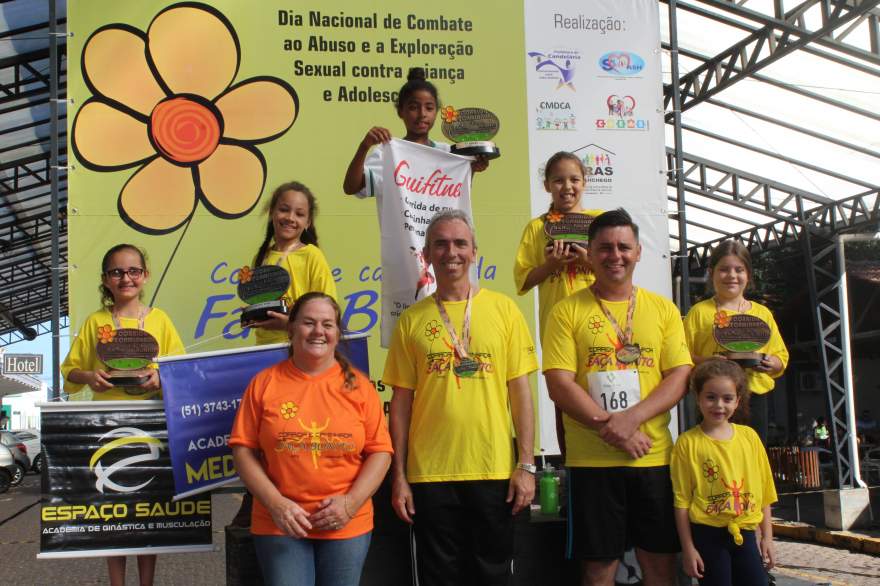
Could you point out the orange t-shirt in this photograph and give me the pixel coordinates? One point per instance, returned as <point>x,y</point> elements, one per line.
<point>313,434</point>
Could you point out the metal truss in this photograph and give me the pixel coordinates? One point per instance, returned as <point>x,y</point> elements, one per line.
<point>826,276</point>
<point>725,184</point>
<point>795,22</point>
<point>765,46</point>
<point>13,336</point>
<point>26,181</point>
<point>850,214</point>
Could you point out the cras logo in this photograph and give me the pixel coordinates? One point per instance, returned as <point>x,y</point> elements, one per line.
<point>621,115</point>
<point>124,436</point>
<point>557,65</point>
<point>555,115</point>
<point>599,165</point>
<point>621,64</point>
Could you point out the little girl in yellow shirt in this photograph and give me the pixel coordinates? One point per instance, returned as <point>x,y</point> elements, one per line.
<point>722,484</point>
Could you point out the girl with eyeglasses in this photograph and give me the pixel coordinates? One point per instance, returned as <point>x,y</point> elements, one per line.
<point>123,276</point>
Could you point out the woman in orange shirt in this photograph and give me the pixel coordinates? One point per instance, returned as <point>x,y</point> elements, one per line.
<point>311,444</point>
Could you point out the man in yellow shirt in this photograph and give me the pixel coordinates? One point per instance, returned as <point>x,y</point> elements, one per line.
<point>616,362</point>
<point>459,362</point>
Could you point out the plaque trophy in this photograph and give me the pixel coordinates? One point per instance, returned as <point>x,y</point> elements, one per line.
<point>569,227</point>
<point>471,130</point>
<point>263,289</point>
<point>128,353</point>
<point>741,335</point>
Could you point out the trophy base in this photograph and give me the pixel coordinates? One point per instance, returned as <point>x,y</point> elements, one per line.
<point>130,378</point>
<point>259,311</point>
<point>745,359</point>
<point>484,148</point>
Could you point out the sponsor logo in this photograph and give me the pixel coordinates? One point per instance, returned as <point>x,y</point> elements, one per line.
<point>555,115</point>
<point>621,115</point>
<point>599,163</point>
<point>621,63</point>
<point>557,65</point>
<point>122,436</point>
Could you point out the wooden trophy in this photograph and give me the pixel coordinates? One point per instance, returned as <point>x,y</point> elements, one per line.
<point>742,335</point>
<point>472,130</point>
<point>128,353</point>
<point>263,289</point>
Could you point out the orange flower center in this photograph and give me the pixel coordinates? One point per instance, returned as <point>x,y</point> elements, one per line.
<point>184,130</point>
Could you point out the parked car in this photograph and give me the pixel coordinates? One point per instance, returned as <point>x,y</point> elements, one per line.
<point>8,468</point>
<point>19,454</point>
<point>31,440</point>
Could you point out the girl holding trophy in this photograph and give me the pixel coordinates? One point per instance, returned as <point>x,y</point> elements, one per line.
<point>551,259</point>
<point>417,106</point>
<point>291,243</point>
<point>727,325</point>
<point>125,334</point>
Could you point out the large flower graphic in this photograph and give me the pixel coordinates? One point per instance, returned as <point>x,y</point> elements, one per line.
<point>163,101</point>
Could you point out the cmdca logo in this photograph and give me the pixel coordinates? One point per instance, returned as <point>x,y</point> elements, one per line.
<point>124,436</point>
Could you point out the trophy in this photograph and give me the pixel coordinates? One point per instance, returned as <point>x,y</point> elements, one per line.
<point>128,353</point>
<point>741,335</point>
<point>263,289</point>
<point>472,130</point>
<point>569,227</point>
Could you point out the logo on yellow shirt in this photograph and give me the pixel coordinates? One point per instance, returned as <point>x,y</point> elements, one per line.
<point>733,500</point>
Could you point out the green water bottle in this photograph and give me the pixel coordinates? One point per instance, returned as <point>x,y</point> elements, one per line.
<point>549,492</point>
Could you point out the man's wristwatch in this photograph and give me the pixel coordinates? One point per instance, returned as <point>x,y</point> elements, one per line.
<point>530,468</point>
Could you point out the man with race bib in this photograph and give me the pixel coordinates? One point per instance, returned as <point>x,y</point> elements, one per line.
<point>616,361</point>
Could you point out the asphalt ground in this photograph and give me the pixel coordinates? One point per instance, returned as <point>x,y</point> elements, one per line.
<point>800,564</point>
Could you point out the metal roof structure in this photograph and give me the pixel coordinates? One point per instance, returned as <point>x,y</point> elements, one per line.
<point>776,116</point>
<point>779,124</point>
<point>25,173</point>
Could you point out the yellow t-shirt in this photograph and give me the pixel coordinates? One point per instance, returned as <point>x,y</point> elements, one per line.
<point>309,271</point>
<point>698,326</point>
<point>722,482</point>
<point>560,284</point>
<point>580,339</point>
<point>83,355</point>
<point>460,427</point>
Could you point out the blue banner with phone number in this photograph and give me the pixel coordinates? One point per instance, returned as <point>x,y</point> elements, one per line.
<point>202,393</point>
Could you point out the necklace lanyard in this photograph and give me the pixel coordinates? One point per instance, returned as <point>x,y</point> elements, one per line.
<point>460,344</point>
<point>625,336</point>
<point>284,253</point>
<point>140,318</point>
<point>739,307</point>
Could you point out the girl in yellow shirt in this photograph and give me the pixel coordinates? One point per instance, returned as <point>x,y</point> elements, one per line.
<point>123,275</point>
<point>722,485</point>
<point>291,242</point>
<point>730,272</point>
<point>557,268</point>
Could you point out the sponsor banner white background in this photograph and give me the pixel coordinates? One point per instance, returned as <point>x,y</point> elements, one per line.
<point>594,87</point>
<point>418,182</point>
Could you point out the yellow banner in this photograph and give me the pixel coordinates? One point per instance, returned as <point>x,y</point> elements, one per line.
<point>285,91</point>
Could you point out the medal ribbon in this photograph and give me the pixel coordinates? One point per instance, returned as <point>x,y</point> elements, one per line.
<point>118,325</point>
<point>460,345</point>
<point>625,336</point>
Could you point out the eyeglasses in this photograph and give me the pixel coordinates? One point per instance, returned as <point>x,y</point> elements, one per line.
<point>132,272</point>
